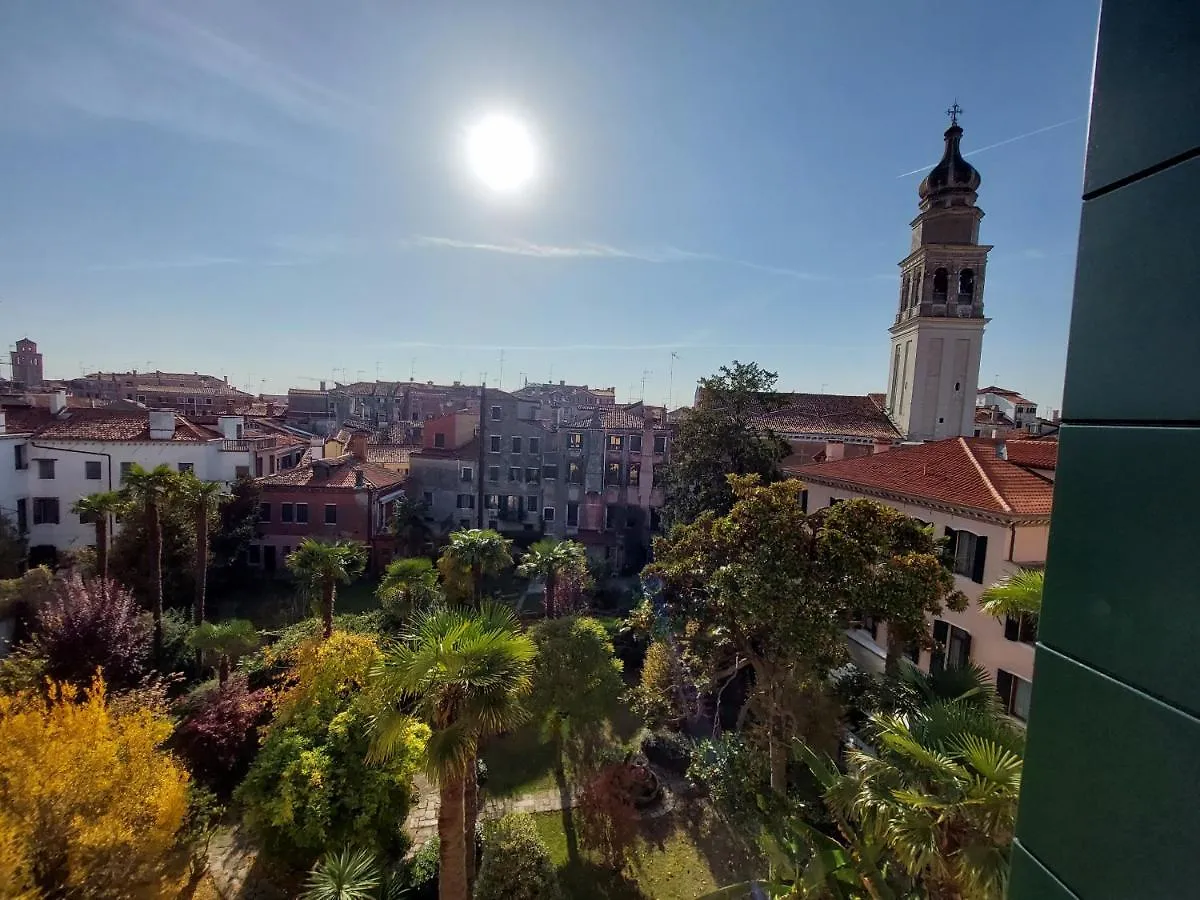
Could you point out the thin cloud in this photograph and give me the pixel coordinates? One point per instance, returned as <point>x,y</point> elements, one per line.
<point>197,262</point>
<point>1011,140</point>
<point>583,348</point>
<point>599,251</point>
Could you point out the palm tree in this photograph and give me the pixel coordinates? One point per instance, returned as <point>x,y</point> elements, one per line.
<point>229,639</point>
<point>322,566</point>
<point>149,489</point>
<point>1015,595</point>
<point>472,554</point>
<point>940,795</point>
<point>408,586</point>
<point>203,497</point>
<point>409,526</point>
<point>100,508</point>
<point>552,561</point>
<point>465,674</point>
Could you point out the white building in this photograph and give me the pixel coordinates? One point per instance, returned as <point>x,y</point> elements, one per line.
<point>59,455</point>
<point>992,500</point>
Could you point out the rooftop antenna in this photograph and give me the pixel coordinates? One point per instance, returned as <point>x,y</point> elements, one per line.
<point>376,370</point>
<point>500,380</point>
<point>524,378</point>
<point>412,371</point>
<point>671,382</point>
<point>645,372</point>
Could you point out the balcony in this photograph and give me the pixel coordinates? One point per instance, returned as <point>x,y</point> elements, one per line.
<point>256,444</point>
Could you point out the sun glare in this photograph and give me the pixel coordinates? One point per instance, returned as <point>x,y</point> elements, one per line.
<point>501,153</point>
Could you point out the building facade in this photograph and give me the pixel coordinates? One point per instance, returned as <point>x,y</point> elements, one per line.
<point>186,393</point>
<point>937,336</point>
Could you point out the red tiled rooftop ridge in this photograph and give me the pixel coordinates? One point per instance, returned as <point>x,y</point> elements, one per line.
<point>963,472</point>
<point>835,415</point>
<point>106,424</point>
<point>339,472</point>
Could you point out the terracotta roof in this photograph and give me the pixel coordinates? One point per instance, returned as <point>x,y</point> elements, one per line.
<point>963,472</point>
<point>340,472</point>
<point>395,433</point>
<point>834,415</point>
<point>615,418</point>
<point>117,425</point>
<point>991,415</point>
<point>388,453</point>
<point>1003,392</point>
<point>1033,454</point>
<point>23,419</point>
<point>223,390</point>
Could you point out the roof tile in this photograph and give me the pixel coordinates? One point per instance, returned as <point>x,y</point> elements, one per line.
<point>339,472</point>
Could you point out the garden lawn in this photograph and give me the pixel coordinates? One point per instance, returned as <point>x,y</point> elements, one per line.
<point>684,855</point>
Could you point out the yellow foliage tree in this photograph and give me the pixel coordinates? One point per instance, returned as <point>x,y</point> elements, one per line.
<point>90,804</point>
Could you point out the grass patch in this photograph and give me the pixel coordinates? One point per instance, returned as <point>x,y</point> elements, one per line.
<point>270,603</point>
<point>683,855</point>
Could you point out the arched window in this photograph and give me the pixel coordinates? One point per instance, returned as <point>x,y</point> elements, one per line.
<point>904,286</point>
<point>940,280</point>
<point>966,285</point>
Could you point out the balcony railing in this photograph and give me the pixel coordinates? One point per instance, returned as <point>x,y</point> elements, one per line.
<point>241,445</point>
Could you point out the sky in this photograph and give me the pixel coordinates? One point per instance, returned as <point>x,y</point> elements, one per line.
<point>278,191</point>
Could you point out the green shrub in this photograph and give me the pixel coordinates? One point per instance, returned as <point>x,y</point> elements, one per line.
<point>736,778</point>
<point>421,872</point>
<point>668,749</point>
<point>516,864</point>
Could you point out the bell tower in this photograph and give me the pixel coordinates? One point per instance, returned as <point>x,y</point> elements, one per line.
<point>937,336</point>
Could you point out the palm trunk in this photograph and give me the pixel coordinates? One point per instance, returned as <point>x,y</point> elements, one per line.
<point>330,595</point>
<point>477,582</point>
<point>154,526</point>
<point>201,573</point>
<point>452,876</point>
<point>550,603</point>
<point>222,669</point>
<point>470,816</point>
<point>895,651</point>
<point>102,546</point>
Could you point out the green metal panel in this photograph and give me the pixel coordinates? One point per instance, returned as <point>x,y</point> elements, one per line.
<point>1035,881</point>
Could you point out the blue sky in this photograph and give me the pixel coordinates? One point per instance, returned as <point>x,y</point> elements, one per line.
<point>276,190</point>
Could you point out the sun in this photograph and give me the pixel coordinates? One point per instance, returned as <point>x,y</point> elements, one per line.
<point>501,153</point>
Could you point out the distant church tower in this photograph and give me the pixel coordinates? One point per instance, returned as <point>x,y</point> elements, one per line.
<point>937,338</point>
<point>26,363</point>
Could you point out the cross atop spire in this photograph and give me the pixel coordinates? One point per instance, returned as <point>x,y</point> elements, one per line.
<point>954,112</point>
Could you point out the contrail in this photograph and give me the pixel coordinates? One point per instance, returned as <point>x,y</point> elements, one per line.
<point>1019,137</point>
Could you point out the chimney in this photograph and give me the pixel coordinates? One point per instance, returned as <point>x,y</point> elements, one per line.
<point>1002,450</point>
<point>562,382</point>
<point>317,447</point>
<point>358,444</point>
<point>162,424</point>
<point>360,479</point>
<point>58,402</point>
<point>227,379</point>
<point>322,384</point>
<point>231,427</point>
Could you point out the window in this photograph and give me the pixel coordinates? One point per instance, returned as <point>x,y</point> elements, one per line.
<point>516,443</point>
<point>535,445</point>
<point>660,443</point>
<point>966,285</point>
<point>468,474</point>
<point>208,401</point>
<point>1014,694</point>
<point>493,473</point>
<point>550,471</point>
<point>264,512</point>
<point>464,523</point>
<point>612,473</point>
<point>531,503</point>
<point>242,472</point>
<point>574,440</point>
<point>497,413</point>
<point>968,552</point>
<point>427,498</point>
<point>439,439</point>
<point>302,513</point>
<point>45,468</point>
<point>254,555</point>
<point>465,501</point>
<point>514,473</point>
<point>21,456</point>
<point>287,512</point>
<point>87,518</point>
<point>127,467</point>
<point>494,443</point>
<point>548,514</point>
<point>616,441</point>
<point>635,473</point>
<point>635,443</point>
<point>532,474</point>
<point>1021,628</point>
<point>572,513</point>
<point>612,516</point>
<point>22,515</point>
<point>492,501</point>
<point>141,398</point>
<point>330,513</point>
<point>574,473</point>
<point>45,510</point>
<point>190,467</point>
<point>941,279</point>
<point>951,647</point>
<point>92,470</point>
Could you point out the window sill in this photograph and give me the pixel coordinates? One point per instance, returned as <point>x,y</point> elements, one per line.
<point>864,639</point>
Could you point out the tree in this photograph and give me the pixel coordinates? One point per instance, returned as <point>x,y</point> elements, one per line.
<point>465,674</point>
<point>202,497</point>
<point>130,557</point>
<point>556,563</point>
<point>721,436</point>
<point>229,640</point>
<point>99,508</point>
<point>344,875</point>
<point>321,566</point>
<point>12,548</point>
<point>237,525</point>
<point>656,697</point>
<point>218,735</point>
<point>608,816</point>
<point>413,534</point>
<point>1019,594</point>
<point>516,863</point>
<point>90,625</point>
<point>473,554</point>
<point>888,569</point>
<point>409,586</point>
<point>150,489</point>
<point>311,787</point>
<point>89,803</point>
<point>940,794</point>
